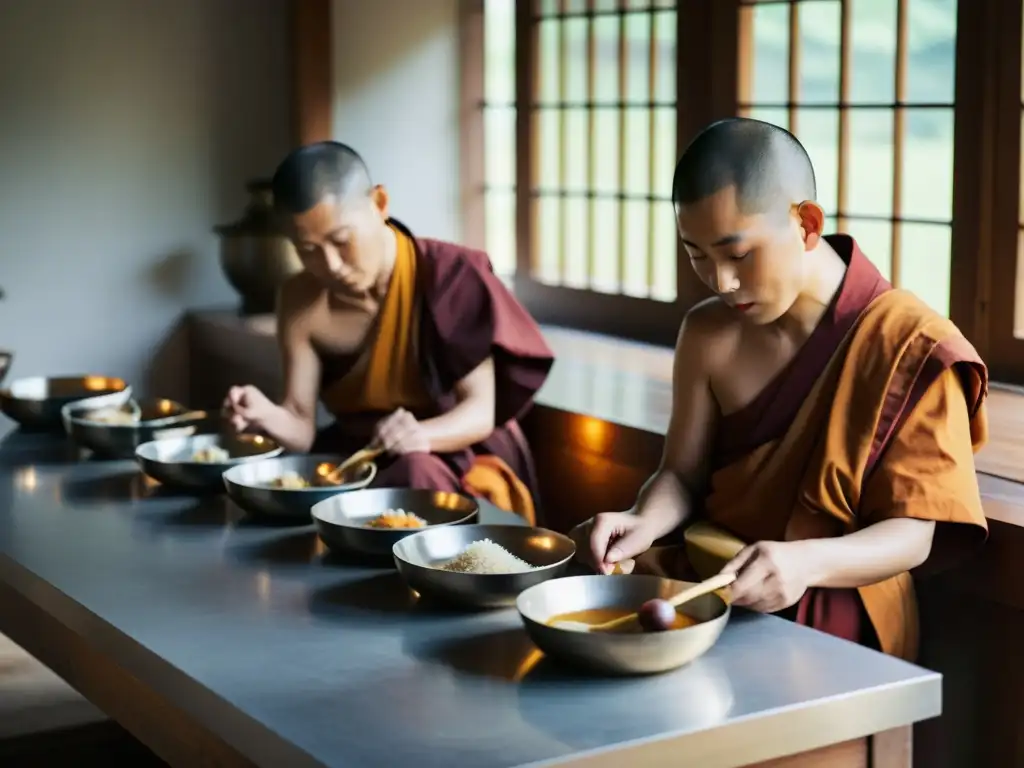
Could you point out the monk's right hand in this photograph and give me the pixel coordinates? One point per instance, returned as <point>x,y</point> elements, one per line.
<point>610,539</point>
<point>247,408</point>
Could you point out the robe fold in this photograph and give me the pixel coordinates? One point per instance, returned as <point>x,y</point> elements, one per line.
<point>444,314</point>
<point>877,417</point>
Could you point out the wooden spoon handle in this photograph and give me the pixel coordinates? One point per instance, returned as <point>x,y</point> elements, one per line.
<point>366,454</point>
<point>705,587</point>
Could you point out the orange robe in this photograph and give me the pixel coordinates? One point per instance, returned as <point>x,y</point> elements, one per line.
<point>389,374</point>
<point>884,426</point>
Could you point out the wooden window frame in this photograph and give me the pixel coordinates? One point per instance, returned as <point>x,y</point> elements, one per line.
<point>987,155</point>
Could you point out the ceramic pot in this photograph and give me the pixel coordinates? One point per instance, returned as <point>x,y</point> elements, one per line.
<point>255,252</point>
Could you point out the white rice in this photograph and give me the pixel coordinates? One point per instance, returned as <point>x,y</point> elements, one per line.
<point>485,556</point>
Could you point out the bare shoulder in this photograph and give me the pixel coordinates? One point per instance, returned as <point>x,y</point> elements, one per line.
<point>297,301</point>
<point>709,334</point>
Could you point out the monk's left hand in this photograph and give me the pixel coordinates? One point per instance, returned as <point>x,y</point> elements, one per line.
<point>401,433</point>
<point>770,576</point>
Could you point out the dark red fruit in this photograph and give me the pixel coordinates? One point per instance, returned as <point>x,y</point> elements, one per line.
<point>656,616</point>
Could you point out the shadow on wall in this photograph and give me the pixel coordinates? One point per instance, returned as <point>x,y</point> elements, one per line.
<point>167,372</point>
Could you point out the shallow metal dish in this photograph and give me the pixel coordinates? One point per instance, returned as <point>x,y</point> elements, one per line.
<point>342,521</point>
<point>622,654</point>
<point>419,557</point>
<point>119,441</point>
<point>170,461</point>
<point>248,485</point>
<point>36,402</point>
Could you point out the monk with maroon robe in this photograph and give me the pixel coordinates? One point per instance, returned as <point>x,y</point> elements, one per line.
<point>413,345</point>
<point>823,423</point>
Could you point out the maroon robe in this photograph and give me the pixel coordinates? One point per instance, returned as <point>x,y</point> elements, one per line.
<point>467,316</point>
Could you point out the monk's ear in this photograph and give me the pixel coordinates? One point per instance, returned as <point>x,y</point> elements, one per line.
<point>812,223</point>
<point>379,195</point>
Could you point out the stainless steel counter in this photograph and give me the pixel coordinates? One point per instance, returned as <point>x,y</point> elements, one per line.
<point>256,642</point>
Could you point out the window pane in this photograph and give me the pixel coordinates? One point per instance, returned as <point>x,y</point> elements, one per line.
<point>500,216</point>
<point>820,23</point>
<point>606,246</point>
<point>924,263</point>
<point>547,241</point>
<point>638,152</point>
<point>665,250</point>
<point>638,57</point>
<point>831,225</point>
<point>548,89</point>
<point>769,76</point>
<point>931,61</point>
<point>667,53</point>
<point>500,51</point>
<point>575,35</point>
<point>875,240</point>
<point>928,165</point>
<point>819,133</point>
<point>576,149</point>
<point>665,152</point>
<point>606,47</point>
<point>576,242</point>
<point>873,52</point>
<point>606,151</point>
<point>500,146</point>
<point>548,7</point>
<point>871,162</point>
<point>635,255</point>
<point>549,149</point>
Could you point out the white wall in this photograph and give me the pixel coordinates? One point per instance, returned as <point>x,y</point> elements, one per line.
<point>128,130</point>
<point>396,84</point>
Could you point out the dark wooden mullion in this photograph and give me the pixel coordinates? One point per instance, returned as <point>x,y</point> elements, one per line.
<point>623,87</point>
<point>591,142</point>
<point>794,65</point>
<point>843,137</point>
<point>652,158</point>
<point>563,142</point>
<point>527,73</point>
<point>899,135</point>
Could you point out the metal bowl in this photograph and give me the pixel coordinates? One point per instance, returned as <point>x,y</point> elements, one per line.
<point>170,461</point>
<point>119,441</point>
<point>248,485</point>
<point>419,558</point>
<point>342,521</point>
<point>622,654</point>
<point>37,402</point>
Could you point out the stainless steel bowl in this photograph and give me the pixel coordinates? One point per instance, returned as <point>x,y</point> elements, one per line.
<point>248,485</point>
<point>419,558</point>
<point>36,402</point>
<point>623,654</point>
<point>342,521</point>
<point>170,461</point>
<point>119,441</point>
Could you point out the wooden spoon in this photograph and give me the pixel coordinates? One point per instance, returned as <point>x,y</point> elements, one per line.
<point>691,593</point>
<point>336,475</point>
<point>177,417</point>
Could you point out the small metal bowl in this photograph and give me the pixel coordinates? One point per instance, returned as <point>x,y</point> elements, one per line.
<point>343,521</point>
<point>119,441</point>
<point>419,558</point>
<point>37,402</point>
<point>620,654</point>
<point>170,461</point>
<point>248,485</point>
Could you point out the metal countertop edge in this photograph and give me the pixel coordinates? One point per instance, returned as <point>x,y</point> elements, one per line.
<point>206,709</point>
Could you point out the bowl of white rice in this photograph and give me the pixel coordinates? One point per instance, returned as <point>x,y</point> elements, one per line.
<point>481,566</point>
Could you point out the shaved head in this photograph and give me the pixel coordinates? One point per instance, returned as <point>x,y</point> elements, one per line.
<point>769,169</point>
<point>312,173</point>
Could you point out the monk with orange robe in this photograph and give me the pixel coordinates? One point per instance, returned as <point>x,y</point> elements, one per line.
<point>413,345</point>
<point>823,423</point>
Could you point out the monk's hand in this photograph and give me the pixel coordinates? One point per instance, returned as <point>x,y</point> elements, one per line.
<point>610,539</point>
<point>247,408</point>
<point>770,576</point>
<point>401,433</point>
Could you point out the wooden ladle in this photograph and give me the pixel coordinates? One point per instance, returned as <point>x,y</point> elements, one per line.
<point>336,475</point>
<point>697,590</point>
